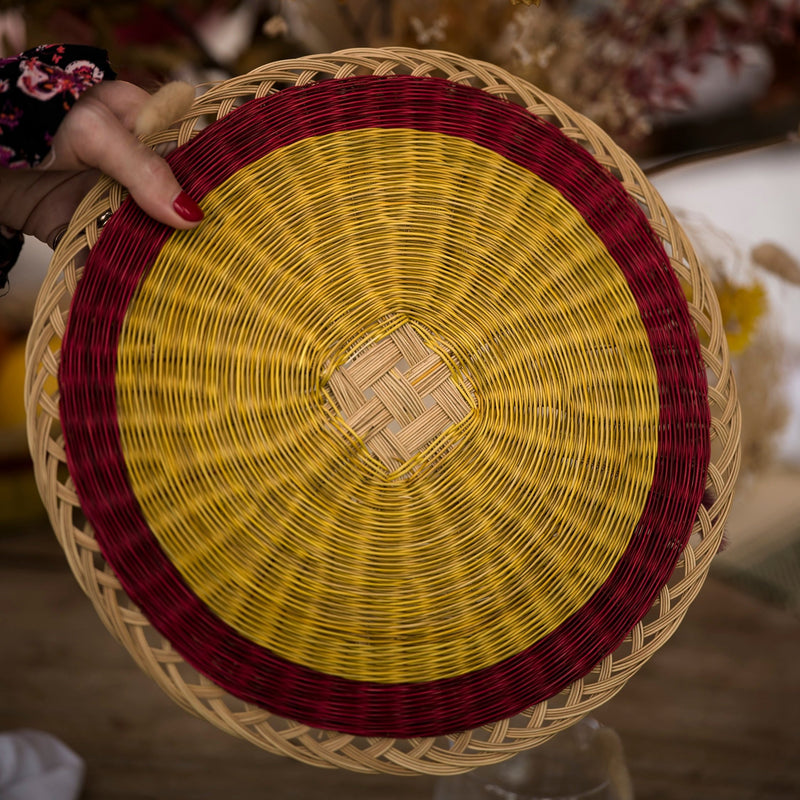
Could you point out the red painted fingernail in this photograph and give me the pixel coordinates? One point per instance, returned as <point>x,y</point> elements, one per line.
<point>187,208</point>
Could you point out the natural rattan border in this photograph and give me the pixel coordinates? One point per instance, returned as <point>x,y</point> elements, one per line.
<point>435,756</point>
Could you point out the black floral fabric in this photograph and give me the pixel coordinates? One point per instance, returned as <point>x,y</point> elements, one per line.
<point>37,89</point>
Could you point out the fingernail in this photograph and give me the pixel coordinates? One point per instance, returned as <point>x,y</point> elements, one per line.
<point>186,208</point>
<point>48,159</point>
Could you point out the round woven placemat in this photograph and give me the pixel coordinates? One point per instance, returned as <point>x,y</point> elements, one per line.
<point>411,454</point>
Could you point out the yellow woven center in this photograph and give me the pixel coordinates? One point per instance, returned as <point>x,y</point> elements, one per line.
<point>275,510</point>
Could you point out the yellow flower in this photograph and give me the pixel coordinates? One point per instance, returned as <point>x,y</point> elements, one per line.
<point>741,307</point>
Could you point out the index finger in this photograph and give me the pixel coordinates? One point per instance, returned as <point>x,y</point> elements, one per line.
<point>94,136</point>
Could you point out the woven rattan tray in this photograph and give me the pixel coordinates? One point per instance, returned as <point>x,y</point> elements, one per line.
<point>418,447</point>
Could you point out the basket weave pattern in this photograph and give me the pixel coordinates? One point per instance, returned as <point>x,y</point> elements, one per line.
<point>398,396</point>
<point>485,744</point>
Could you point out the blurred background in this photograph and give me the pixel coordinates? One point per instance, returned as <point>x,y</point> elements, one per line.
<point>705,94</point>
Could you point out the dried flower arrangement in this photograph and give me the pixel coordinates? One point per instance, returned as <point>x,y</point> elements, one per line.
<point>620,63</point>
<point>624,62</point>
<point>757,346</point>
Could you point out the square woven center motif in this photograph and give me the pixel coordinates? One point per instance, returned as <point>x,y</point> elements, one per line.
<point>398,396</point>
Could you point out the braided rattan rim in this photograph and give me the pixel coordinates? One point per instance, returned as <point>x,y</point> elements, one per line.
<point>442,755</point>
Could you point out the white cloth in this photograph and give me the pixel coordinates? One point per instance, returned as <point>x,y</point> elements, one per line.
<point>37,766</point>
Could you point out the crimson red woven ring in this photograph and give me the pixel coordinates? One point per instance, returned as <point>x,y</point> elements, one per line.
<point>122,260</point>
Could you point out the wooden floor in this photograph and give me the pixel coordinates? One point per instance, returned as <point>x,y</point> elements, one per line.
<point>713,715</point>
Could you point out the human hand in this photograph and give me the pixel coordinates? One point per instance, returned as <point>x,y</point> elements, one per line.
<point>95,137</point>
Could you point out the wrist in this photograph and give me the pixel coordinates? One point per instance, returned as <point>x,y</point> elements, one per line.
<point>10,245</point>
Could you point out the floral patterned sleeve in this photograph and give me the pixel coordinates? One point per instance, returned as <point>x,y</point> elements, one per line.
<point>37,89</point>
